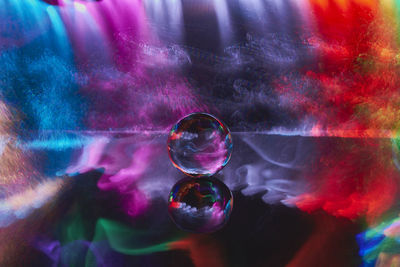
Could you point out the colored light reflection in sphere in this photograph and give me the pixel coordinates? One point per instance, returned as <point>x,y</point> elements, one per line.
<point>199,145</point>
<point>201,205</point>
<point>396,151</point>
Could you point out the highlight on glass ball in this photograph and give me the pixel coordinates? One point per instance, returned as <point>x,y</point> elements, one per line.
<point>201,205</point>
<point>199,145</point>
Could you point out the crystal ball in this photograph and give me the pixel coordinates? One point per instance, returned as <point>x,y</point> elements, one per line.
<point>201,205</point>
<point>199,145</point>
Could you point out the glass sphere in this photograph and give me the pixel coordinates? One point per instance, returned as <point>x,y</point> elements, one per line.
<point>199,145</point>
<point>201,205</point>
